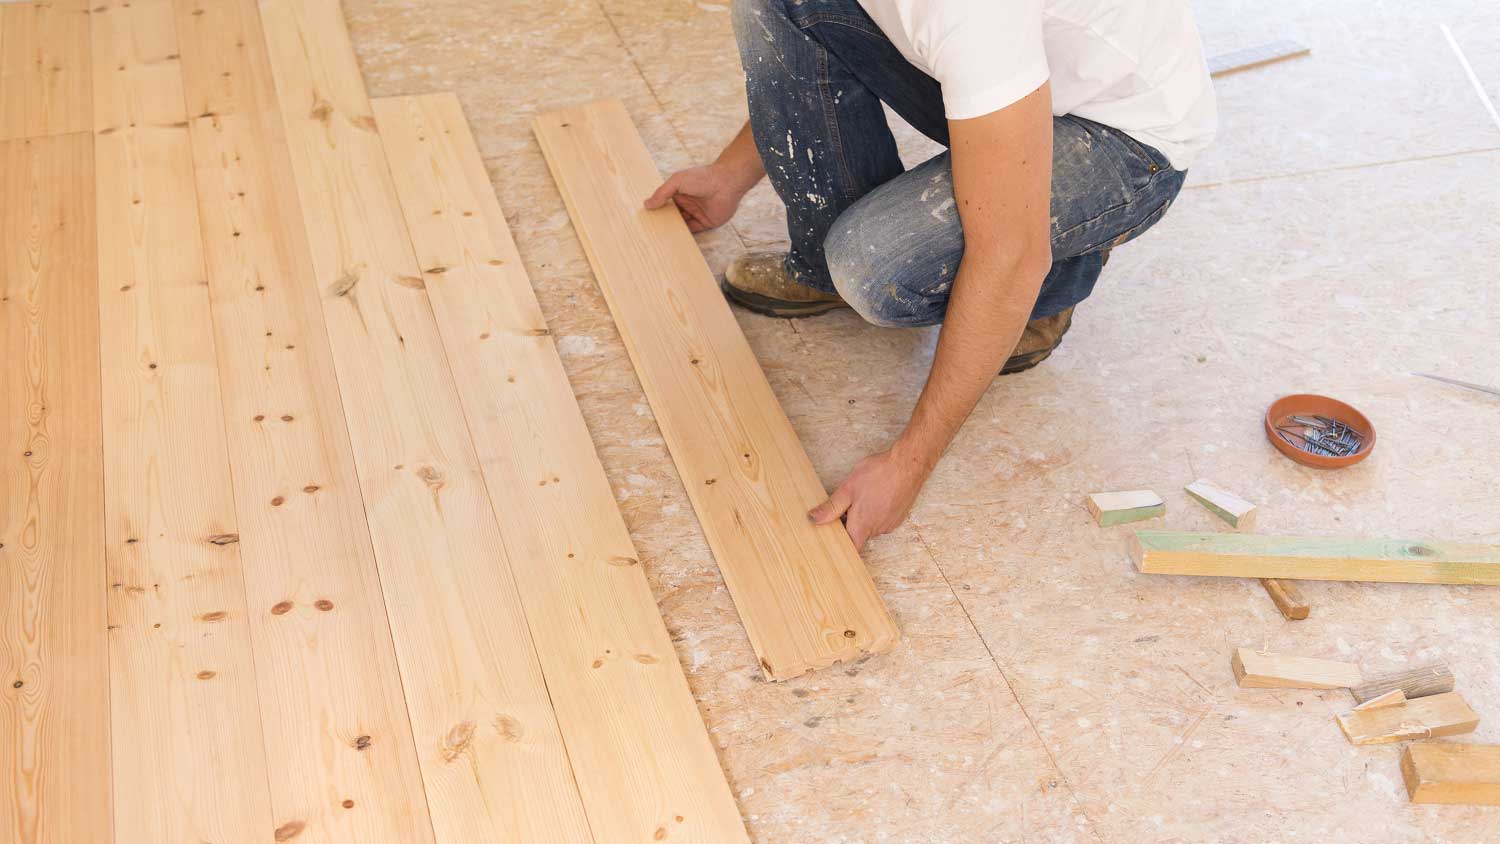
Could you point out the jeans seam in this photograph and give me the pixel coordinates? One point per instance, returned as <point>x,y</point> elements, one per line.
<point>1150,183</point>
<point>830,117</point>
<point>839,20</point>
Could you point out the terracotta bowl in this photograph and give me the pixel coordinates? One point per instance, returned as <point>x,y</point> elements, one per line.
<point>1309,404</point>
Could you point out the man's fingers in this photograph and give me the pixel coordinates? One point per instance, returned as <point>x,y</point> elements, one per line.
<point>832,509</point>
<point>857,531</point>
<point>665,192</point>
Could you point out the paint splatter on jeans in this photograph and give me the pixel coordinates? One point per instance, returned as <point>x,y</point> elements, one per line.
<point>886,239</point>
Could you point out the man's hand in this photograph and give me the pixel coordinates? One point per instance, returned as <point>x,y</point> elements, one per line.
<point>876,497</point>
<point>706,196</point>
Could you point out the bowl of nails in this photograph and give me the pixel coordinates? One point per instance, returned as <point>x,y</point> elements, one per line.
<point>1319,431</point>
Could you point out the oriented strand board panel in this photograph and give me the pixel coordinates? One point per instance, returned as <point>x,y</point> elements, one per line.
<point>1440,772</point>
<point>640,752</point>
<point>189,760</point>
<point>44,68</point>
<point>1434,716</point>
<point>1117,508</point>
<point>492,758</point>
<point>1315,558</point>
<point>803,593</point>
<point>1259,670</point>
<point>54,686</point>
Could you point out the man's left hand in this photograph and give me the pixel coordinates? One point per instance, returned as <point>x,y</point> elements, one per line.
<point>876,497</point>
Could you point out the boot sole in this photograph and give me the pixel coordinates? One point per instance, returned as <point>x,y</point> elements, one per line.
<point>1021,363</point>
<point>767,306</point>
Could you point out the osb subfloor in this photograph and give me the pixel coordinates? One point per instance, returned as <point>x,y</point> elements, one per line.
<point>1339,235</point>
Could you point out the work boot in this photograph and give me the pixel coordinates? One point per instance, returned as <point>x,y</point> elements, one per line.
<point>759,281</point>
<point>1037,342</point>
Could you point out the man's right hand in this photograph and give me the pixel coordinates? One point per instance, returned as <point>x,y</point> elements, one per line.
<point>706,196</point>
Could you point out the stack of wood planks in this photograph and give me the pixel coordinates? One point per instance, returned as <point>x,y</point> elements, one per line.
<point>303,536</point>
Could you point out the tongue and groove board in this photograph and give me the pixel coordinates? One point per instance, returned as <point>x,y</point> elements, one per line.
<point>803,594</point>
<point>487,740</point>
<point>44,68</point>
<point>643,760</point>
<point>54,671</point>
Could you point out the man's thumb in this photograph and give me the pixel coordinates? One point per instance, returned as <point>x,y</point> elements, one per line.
<point>664,193</point>
<point>832,509</point>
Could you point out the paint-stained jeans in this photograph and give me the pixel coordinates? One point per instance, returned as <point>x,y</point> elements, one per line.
<point>886,239</point>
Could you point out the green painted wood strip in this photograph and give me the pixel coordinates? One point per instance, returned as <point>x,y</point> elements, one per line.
<point>1136,514</point>
<point>1316,558</point>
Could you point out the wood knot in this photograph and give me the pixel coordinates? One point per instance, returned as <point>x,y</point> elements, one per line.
<point>347,804</point>
<point>661,834</point>
<point>598,663</point>
<point>287,417</point>
<point>361,742</point>
<point>290,830</point>
<point>207,675</point>
<point>411,281</point>
<point>343,285</point>
<point>710,482</point>
<point>457,740</point>
<point>623,561</point>
<point>538,332</point>
<point>18,684</point>
<point>321,111</point>
<point>435,270</point>
<point>646,659</point>
<point>260,417</point>
<point>278,501</point>
<point>323,604</point>
<point>282,608</point>
<point>509,728</point>
<point>311,488</point>
<point>224,539</point>
<point>849,634</point>
<point>216,615</point>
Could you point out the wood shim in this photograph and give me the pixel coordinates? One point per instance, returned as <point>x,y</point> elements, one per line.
<point>1315,558</point>
<point>1441,772</point>
<point>1425,717</point>
<point>1227,63</point>
<point>54,723</point>
<point>638,746</point>
<point>1259,670</point>
<point>803,593</point>
<point>1395,697</point>
<point>1288,598</point>
<point>1233,509</point>
<point>1431,679</point>
<point>1117,508</point>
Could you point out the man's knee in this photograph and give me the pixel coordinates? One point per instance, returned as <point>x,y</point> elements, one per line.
<point>871,284</point>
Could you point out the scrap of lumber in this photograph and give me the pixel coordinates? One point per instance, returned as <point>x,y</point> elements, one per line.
<point>1287,596</point>
<point>1442,772</point>
<point>803,593</point>
<point>473,683</point>
<point>604,648</point>
<point>1260,670</point>
<point>1423,680</point>
<point>1394,697</point>
<point>54,689</point>
<point>1425,717</point>
<point>1315,558</point>
<point>187,751</point>
<point>45,69</point>
<point>1233,509</point>
<point>1117,508</point>
<point>1226,63</point>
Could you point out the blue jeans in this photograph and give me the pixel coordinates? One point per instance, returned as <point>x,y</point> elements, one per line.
<point>886,239</point>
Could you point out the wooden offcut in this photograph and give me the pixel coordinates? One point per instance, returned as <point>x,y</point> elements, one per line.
<point>1260,670</point>
<point>1118,508</point>
<point>1264,54</point>
<point>1420,681</point>
<point>1395,697</point>
<point>54,704</point>
<point>1433,716</point>
<point>1316,558</point>
<point>639,748</point>
<point>1443,772</point>
<point>1288,598</point>
<point>1239,513</point>
<point>803,593</point>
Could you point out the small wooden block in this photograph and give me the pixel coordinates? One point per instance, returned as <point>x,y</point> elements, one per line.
<point>1426,717</point>
<point>1117,508</point>
<point>1439,772</point>
<point>1258,670</point>
<point>1432,679</point>
<point>1287,596</point>
<point>1233,509</point>
<point>1394,697</point>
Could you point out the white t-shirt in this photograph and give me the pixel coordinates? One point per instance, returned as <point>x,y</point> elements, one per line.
<point>1135,65</point>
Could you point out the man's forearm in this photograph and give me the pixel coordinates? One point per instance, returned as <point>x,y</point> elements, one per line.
<point>741,160</point>
<point>991,302</point>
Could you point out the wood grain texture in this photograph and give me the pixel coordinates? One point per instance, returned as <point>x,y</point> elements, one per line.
<point>641,755</point>
<point>492,759</point>
<point>1394,697</point>
<point>1440,772</point>
<point>1315,558</point>
<point>54,683</point>
<point>44,68</point>
<point>1288,598</point>
<point>1239,513</point>
<point>1420,681</point>
<point>189,763</point>
<point>1259,670</point>
<point>137,79</point>
<point>1118,508</point>
<point>1433,716</point>
<point>223,50</point>
<point>803,593</point>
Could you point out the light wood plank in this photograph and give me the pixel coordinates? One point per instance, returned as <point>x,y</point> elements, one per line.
<point>803,593</point>
<point>44,68</point>
<point>1433,716</point>
<point>189,762</point>
<point>1288,598</point>
<point>638,745</point>
<point>54,684</point>
<point>223,49</point>
<point>1315,558</point>
<point>1118,508</point>
<point>491,755</point>
<point>1439,772</point>
<point>1260,670</point>
<point>136,76</point>
<point>1239,513</point>
<point>1420,681</point>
